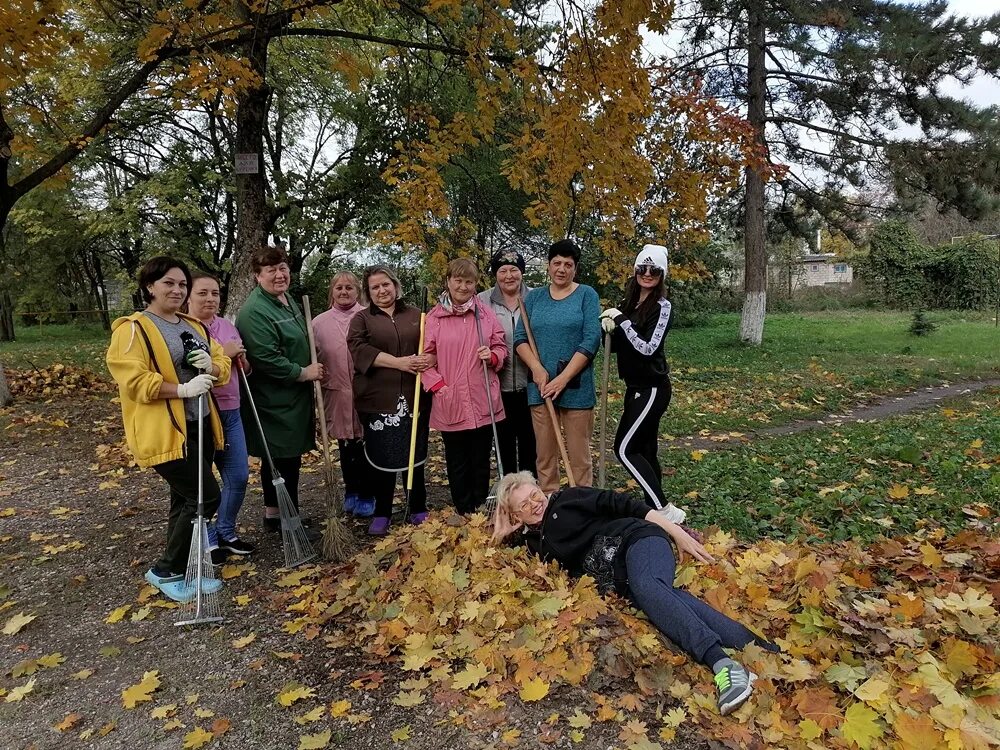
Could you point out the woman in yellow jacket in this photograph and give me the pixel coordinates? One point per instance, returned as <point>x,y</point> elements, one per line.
<point>163,361</point>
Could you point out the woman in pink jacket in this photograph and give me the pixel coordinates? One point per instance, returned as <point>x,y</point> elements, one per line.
<point>461,407</point>
<point>330,329</point>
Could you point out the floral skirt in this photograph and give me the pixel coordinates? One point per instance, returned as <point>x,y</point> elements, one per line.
<point>387,437</point>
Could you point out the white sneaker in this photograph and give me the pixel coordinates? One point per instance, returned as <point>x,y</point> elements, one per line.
<point>672,513</point>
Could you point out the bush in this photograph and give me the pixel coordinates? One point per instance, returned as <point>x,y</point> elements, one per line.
<point>907,273</point>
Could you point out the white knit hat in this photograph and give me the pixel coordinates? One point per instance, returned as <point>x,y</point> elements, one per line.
<point>652,255</point>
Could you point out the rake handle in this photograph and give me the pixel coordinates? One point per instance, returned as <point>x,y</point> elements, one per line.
<point>602,459</point>
<point>489,396</point>
<point>548,401</point>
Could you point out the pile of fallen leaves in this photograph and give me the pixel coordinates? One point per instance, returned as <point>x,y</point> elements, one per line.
<point>56,381</point>
<point>890,645</point>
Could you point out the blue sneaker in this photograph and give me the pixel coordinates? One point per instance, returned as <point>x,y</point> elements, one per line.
<point>351,502</point>
<point>182,592</point>
<point>364,507</point>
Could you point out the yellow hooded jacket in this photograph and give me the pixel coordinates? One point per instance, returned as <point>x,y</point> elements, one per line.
<point>139,361</point>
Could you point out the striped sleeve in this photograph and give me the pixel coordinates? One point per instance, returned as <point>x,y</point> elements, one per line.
<point>646,348</point>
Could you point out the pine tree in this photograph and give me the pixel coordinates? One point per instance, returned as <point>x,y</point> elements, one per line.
<point>849,93</point>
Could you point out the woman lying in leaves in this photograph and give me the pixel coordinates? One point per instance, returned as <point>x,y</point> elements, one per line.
<point>625,547</point>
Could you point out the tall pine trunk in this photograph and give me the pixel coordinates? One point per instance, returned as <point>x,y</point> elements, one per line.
<point>755,270</point>
<point>252,212</point>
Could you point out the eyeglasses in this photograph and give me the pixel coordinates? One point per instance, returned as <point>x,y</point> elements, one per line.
<point>651,270</point>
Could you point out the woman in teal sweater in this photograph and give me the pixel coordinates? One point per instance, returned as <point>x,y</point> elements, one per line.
<point>564,317</point>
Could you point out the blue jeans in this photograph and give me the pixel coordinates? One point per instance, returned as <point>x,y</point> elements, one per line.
<point>232,464</point>
<point>683,618</point>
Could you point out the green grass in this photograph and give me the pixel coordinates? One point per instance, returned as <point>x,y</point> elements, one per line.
<point>41,346</point>
<point>813,363</point>
<point>835,484</point>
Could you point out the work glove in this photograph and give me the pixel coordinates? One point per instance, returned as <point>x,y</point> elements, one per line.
<point>198,385</point>
<point>199,359</point>
<point>608,319</point>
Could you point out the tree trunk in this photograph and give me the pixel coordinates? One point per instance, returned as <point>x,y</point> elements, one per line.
<point>5,395</point>
<point>252,211</point>
<point>755,274</point>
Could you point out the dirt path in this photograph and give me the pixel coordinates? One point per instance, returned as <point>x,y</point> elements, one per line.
<point>887,406</point>
<point>77,534</point>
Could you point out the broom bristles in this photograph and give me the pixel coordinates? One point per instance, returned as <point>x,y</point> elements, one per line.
<point>337,538</point>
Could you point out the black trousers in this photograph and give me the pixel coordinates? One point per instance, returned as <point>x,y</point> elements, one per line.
<point>182,477</point>
<point>383,485</point>
<point>637,438</point>
<point>516,433</point>
<point>467,457</point>
<point>289,469</point>
<point>355,467</point>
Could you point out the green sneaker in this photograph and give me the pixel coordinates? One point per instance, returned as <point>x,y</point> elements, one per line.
<point>734,683</point>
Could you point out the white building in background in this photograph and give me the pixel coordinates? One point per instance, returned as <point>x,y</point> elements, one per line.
<point>822,269</point>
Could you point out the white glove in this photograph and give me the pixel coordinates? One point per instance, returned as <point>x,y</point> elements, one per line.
<point>672,513</point>
<point>197,386</point>
<point>608,319</point>
<point>200,359</point>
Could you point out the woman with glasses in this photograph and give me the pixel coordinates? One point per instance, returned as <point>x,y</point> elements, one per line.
<point>639,332</point>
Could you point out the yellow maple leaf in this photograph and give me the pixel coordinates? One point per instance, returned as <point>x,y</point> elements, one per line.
<point>141,614</point>
<point>83,674</point>
<point>197,738</point>
<point>310,716</point>
<point>204,713</point>
<point>51,660</point>
<point>293,692</point>
<point>577,736</point>
<point>924,490</point>
<point>142,691</point>
<point>163,712</point>
<point>860,726</point>
<point>315,741</point>
<point>244,641</point>
<point>17,694</point>
<point>471,676</point>
<point>401,735</point>
<point>579,720</point>
<point>407,698</point>
<point>698,455</point>
<point>511,737</point>
<point>809,730</point>
<point>899,491</point>
<point>339,708</point>
<point>17,622</point>
<point>930,556</point>
<point>118,614</point>
<point>534,690</point>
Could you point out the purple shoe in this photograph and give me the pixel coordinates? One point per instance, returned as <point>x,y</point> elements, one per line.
<point>418,518</point>
<point>379,526</point>
<point>350,502</point>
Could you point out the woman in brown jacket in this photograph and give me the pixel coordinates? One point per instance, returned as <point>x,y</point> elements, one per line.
<point>384,339</point>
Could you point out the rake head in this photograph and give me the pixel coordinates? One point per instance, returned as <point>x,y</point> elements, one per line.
<point>200,583</point>
<point>294,541</point>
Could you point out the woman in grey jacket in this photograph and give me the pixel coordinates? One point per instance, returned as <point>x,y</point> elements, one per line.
<point>516,434</point>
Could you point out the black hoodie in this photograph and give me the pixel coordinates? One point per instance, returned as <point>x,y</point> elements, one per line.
<point>588,531</point>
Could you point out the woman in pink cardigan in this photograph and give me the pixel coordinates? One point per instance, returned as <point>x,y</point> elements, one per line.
<point>461,407</point>
<point>330,329</point>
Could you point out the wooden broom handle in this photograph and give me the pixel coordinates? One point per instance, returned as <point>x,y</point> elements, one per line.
<point>317,388</point>
<point>548,401</point>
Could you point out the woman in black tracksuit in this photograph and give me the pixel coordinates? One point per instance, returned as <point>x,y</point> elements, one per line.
<point>639,332</point>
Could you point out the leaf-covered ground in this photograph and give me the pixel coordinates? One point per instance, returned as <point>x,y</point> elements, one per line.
<point>433,639</point>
